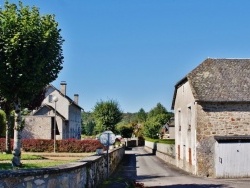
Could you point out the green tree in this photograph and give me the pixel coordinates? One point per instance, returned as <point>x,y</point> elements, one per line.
<point>30,58</point>
<point>157,117</point>
<point>125,131</point>
<point>153,125</point>
<point>107,114</point>
<point>141,115</point>
<point>88,123</point>
<point>159,109</point>
<point>2,123</point>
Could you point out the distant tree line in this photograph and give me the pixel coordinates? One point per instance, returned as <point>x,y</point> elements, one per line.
<point>107,115</point>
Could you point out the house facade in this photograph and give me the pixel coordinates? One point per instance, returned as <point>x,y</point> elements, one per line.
<point>42,123</point>
<point>212,114</point>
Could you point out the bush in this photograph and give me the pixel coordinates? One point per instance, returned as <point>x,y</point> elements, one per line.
<point>2,144</point>
<point>70,145</point>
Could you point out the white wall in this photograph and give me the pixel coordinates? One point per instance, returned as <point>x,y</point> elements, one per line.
<point>185,123</point>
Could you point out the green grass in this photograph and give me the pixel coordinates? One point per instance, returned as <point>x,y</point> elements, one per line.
<point>35,161</point>
<point>164,141</point>
<point>6,157</point>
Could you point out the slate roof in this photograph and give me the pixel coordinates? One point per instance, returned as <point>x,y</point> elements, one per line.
<point>51,108</point>
<point>219,80</point>
<point>67,97</point>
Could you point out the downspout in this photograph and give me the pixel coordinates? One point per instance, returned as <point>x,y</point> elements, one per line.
<point>195,138</point>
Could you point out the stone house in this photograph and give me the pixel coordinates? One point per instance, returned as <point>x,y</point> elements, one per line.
<point>212,119</point>
<point>41,123</point>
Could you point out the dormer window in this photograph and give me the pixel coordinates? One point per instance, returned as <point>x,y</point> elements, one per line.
<point>50,98</point>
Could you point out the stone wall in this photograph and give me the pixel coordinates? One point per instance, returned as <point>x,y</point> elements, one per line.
<point>165,152</point>
<point>218,119</point>
<point>88,172</point>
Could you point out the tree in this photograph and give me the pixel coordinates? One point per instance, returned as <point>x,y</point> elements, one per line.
<point>88,123</point>
<point>159,109</point>
<point>107,114</point>
<point>141,115</point>
<point>153,125</point>
<point>125,131</point>
<point>2,123</point>
<point>30,58</point>
<point>157,117</point>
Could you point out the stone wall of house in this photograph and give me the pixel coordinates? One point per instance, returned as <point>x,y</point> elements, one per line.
<point>38,127</point>
<point>214,119</point>
<point>88,172</point>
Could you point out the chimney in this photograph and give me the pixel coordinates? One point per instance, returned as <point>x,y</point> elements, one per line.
<point>76,97</point>
<point>63,87</point>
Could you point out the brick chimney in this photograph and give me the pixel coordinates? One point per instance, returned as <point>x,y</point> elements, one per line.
<point>76,97</point>
<point>63,87</point>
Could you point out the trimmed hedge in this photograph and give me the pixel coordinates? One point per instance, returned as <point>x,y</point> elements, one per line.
<point>164,141</point>
<point>2,144</point>
<point>70,145</point>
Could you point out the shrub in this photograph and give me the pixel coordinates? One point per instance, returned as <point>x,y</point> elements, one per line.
<point>2,144</point>
<point>69,145</point>
<point>42,145</point>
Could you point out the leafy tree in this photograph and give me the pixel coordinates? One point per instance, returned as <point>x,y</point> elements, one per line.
<point>30,58</point>
<point>107,114</point>
<point>159,109</point>
<point>125,131</point>
<point>153,125</point>
<point>157,117</point>
<point>2,123</point>
<point>88,123</point>
<point>141,115</point>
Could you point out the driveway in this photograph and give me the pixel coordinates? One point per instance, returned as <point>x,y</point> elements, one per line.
<point>142,167</point>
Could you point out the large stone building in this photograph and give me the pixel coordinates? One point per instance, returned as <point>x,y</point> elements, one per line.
<point>42,124</point>
<point>212,119</point>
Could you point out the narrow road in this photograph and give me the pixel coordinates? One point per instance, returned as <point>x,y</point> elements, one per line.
<point>153,172</point>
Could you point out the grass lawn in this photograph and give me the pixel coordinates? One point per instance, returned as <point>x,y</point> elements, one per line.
<point>30,161</point>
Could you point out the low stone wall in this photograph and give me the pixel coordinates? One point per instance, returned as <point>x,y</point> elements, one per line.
<point>88,172</point>
<point>165,152</point>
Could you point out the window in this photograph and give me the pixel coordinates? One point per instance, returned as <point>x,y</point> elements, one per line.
<point>190,156</point>
<point>179,120</point>
<point>189,118</point>
<point>179,152</point>
<point>50,98</point>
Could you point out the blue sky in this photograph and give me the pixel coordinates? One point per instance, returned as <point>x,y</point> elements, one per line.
<point>135,51</point>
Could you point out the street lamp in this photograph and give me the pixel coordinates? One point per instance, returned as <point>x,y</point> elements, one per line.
<point>55,99</point>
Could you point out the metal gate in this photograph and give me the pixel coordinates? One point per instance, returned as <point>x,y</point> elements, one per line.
<point>232,159</point>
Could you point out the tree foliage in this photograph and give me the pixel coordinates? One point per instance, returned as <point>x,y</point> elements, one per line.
<point>125,131</point>
<point>141,115</point>
<point>2,123</point>
<point>30,51</point>
<point>159,109</point>
<point>30,58</point>
<point>107,114</point>
<point>88,123</point>
<point>157,117</point>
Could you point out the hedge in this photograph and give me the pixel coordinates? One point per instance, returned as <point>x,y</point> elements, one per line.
<point>70,145</point>
<point>164,141</point>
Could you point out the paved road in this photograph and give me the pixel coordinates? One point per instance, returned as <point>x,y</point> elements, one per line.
<point>153,172</point>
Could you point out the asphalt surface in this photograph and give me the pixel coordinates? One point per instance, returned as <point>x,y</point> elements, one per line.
<point>146,169</point>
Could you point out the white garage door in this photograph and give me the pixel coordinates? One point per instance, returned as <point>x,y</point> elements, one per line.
<point>232,159</point>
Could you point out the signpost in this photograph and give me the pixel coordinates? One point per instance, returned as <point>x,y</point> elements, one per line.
<point>107,138</point>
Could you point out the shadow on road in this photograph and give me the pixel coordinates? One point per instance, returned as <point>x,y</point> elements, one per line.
<point>193,186</point>
<point>125,174</point>
<point>146,154</point>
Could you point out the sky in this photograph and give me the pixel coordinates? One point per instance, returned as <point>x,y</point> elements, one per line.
<point>135,51</point>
